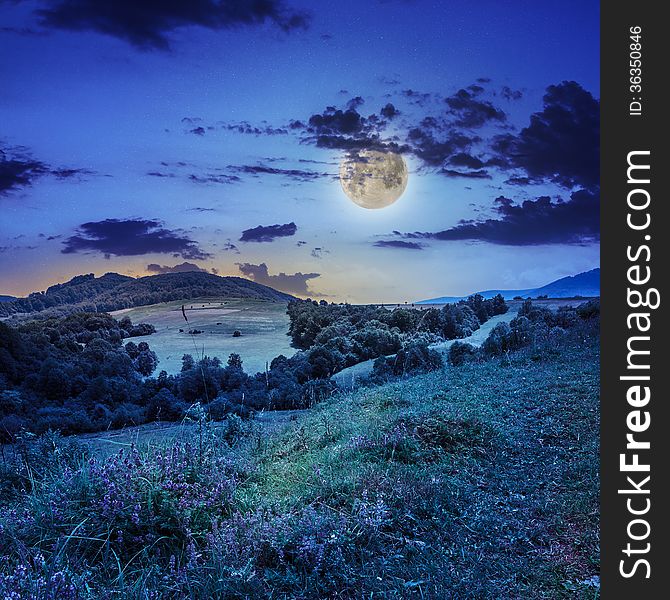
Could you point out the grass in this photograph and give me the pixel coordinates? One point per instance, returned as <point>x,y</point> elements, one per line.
<point>473,482</point>
<point>263,326</point>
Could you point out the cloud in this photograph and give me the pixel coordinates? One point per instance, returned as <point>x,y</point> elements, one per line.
<point>230,247</point>
<point>347,130</point>
<point>148,25</point>
<point>434,152</point>
<point>398,244</point>
<point>207,178</point>
<point>131,237</point>
<point>295,174</point>
<point>471,112</point>
<point>264,129</point>
<point>297,283</point>
<point>509,94</point>
<point>185,267</point>
<point>318,252</point>
<point>562,142</point>
<point>268,233</point>
<point>18,170</point>
<point>533,222</point>
<point>389,111</point>
<point>479,174</point>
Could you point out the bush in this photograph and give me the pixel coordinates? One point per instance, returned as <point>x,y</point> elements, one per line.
<point>460,353</point>
<point>414,357</point>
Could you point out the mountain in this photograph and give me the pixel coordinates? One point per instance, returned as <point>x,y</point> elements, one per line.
<point>7,298</point>
<point>113,292</point>
<point>585,284</point>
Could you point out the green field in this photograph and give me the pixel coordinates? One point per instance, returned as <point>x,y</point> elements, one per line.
<point>263,326</point>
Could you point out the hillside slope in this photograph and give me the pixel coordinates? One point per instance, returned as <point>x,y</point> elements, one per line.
<point>113,292</point>
<point>478,481</point>
<point>586,284</point>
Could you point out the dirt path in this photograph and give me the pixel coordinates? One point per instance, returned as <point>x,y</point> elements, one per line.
<point>348,378</point>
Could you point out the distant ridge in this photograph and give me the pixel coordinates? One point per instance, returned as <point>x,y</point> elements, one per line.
<point>7,298</point>
<point>585,284</point>
<point>113,292</point>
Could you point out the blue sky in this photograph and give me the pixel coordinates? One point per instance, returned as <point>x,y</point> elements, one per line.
<point>120,139</point>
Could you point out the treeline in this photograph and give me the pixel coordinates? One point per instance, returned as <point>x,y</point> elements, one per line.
<point>87,293</point>
<point>72,374</point>
<point>534,326</point>
<point>81,374</point>
<point>356,333</point>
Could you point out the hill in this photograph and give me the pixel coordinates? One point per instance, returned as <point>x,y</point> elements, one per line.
<point>7,298</point>
<point>113,292</point>
<point>585,284</point>
<point>478,481</point>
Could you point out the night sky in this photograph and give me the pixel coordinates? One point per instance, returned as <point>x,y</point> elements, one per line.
<point>145,136</point>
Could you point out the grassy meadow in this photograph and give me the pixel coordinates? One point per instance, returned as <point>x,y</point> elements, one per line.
<point>262,323</point>
<point>477,481</point>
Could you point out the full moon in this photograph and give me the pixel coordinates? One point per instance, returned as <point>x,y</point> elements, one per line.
<point>374,179</point>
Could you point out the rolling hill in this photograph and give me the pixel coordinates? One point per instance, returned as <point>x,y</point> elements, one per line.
<point>585,284</point>
<point>113,292</point>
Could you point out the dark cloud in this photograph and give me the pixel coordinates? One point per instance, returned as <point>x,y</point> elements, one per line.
<point>201,209</point>
<point>348,130</point>
<point>292,284</point>
<point>398,244</point>
<point>131,237</point>
<point>18,170</point>
<point>213,178</point>
<point>418,98</point>
<point>185,267</point>
<point>193,173</point>
<point>230,247</point>
<point>198,131</point>
<point>390,81</point>
<point>161,174</point>
<point>337,122</point>
<point>435,151</point>
<point>463,159</point>
<point>562,142</point>
<point>389,111</point>
<point>264,129</point>
<point>462,137</point>
<point>268,233</point>
<point>148,24</point>
<point>479,174</point>
<point>355,103</point>
<point>470,111</point>
<point>17,173</point>
<point>534,222</point>
<point>295,174</point>
<point>509,94</point>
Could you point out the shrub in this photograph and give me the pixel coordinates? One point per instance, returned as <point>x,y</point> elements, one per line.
<point>460,353</point>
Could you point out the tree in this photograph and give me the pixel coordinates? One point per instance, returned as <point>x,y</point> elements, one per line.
<point>187,362</point>
<point>146,362</point>
<point>235,360</point>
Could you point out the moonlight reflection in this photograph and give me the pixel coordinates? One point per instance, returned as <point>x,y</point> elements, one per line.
<point>374,179</point>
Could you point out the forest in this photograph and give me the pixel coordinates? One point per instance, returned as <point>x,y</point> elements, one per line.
<point>84,373</point>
